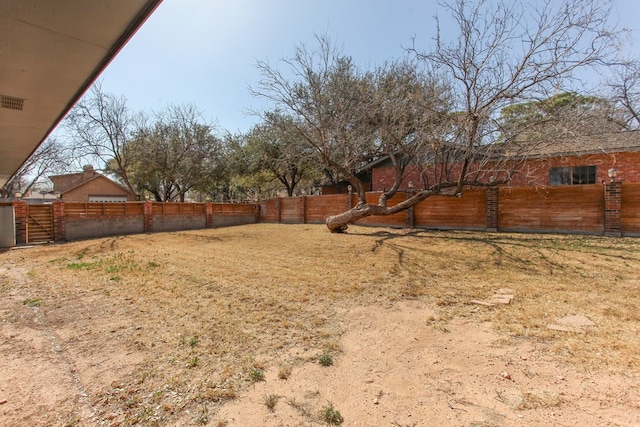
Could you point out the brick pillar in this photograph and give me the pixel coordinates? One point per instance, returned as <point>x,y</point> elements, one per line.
<point>59,227</point>
<point>303,209</point>
<point>208,211</point>
<point>612,208</point>
<point>278,212</point>
<point>147,210</point>
<point>410,219</point>
<point>492,209</point>
<point>20,211</point>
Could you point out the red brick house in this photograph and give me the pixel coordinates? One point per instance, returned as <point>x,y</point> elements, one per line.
<point>90,186</point>
<point>584,160</point>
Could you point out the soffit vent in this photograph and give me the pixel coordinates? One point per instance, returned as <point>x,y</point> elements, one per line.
<point>11,102</point>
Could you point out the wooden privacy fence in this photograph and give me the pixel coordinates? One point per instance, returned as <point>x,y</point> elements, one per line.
<point>72,221</point>
<point>611,209</point>
<point>630,209</point>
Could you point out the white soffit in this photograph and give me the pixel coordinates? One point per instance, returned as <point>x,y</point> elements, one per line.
<point>50,53</point>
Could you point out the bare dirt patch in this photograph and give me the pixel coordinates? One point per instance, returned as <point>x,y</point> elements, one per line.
<point>228,326</point>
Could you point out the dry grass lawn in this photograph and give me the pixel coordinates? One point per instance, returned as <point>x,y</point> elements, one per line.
<point>168,328</point>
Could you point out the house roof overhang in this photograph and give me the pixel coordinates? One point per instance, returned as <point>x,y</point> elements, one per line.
<point>51,51</point>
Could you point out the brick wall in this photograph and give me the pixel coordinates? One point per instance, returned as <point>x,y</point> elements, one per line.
<point>535,172</point>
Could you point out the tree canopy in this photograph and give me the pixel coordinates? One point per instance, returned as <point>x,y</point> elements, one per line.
<point>566,114</point>
<point>173,154</point>
<point>441,113</point>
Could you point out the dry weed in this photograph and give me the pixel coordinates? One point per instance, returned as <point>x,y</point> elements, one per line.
<point>201,307</point>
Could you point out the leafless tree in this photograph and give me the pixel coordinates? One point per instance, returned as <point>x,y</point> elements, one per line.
<point>50,158</point>
<point>625,92</point>
<point>101,126</point>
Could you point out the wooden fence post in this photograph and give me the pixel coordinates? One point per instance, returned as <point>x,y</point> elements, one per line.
<point>492,209</point>
<point>612,209</point>
<point>278,213</point>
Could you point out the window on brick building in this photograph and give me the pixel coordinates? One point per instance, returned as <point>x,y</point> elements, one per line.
<point>574,175</point>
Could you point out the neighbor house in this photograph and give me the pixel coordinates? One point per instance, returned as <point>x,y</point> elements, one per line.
<point>89,186</point>
<point>582,160</point>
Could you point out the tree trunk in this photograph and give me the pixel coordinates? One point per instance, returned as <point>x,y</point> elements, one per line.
<point>339,223</point>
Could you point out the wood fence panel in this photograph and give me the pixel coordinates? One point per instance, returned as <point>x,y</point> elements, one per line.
<point>177,208</point>
<point>268,211</point>
<point>320,207</point>
<point>39,224</point>
<point>232,208</point>
<point>466,212</point>
<point>396,220</point>
<point>630,209</point>
<point>291,210</point>
<point>577,208</point>
<point>96,210</point>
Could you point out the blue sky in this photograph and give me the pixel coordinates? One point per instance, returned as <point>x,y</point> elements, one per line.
<point>204,51</point>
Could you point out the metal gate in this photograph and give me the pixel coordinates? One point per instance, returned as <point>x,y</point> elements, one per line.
<point>39,224</point>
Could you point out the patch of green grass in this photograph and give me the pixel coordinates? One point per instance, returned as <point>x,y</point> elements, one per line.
<point>115,263</point>
<point>193,362</point>
<point>32,302</point>
<point>193,342</point>
<point>325,359</point>
<point>256,375</point>
<point>112,269</point>
<point>331,415</point>
<point>81,265</point>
